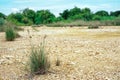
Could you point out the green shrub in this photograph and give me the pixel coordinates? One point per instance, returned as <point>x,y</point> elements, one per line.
<point>39,63</point>
<point>10,34</point>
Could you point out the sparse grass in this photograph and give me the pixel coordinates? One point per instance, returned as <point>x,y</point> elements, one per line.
<point>39,63</point>
<point>10,34</point>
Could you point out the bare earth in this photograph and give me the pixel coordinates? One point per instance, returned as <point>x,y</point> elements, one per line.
<point>85,54</point>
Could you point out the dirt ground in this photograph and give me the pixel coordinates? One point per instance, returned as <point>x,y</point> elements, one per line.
<point>84,54</point>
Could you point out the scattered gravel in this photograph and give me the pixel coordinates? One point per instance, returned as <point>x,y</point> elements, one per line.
<point>83,56</point>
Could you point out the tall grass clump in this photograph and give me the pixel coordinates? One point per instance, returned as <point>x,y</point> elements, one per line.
<point>10,34</point>
<point>39,63</point>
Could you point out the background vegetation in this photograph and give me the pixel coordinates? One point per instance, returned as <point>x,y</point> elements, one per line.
<point>72,17</point>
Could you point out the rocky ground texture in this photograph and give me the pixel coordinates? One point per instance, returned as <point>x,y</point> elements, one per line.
<point>84,54</point>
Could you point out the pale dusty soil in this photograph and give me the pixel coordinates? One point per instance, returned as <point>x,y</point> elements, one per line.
<point>85,54</point>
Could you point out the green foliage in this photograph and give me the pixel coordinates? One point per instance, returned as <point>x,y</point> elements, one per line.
<point>102,13</point>
<point>76,17</point>
<point>30,14</point>
<point>59,19</point>
<point>65,14</point>
<point>96,17</point>
<point>86,10</point>
<point>77,13</point>
<point>18,17</point>
<point>10,34</point>
<point>14,18</point>
<point>44,16</point>
<point>2,15</point>
<point>26,21</point>
<point>39,63</point>
<point>87,16</point>
<point>30,17</point>
<point>74,11</point>
<point>116,13</point>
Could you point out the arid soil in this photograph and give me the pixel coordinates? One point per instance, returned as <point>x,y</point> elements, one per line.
<point>84,54</point>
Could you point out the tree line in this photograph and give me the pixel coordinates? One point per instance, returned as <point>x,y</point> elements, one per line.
<point>31,17</point>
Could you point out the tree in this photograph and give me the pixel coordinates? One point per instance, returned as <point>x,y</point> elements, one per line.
<point>116,13</point>
<point>27,21</point>
<point>102,13</point>
<point>76,17</point>
<point>2,15</point>
<point>30,14</point>
<point>11,18</point>
<point>44,16</point>
<point>86,10</point>
<point>86,14</point>
<point>65,14</point>
<point>74,11</point>
<point>15,18</point>
<point>18,17</point>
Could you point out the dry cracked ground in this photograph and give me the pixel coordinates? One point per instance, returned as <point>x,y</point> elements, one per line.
<point>84,54</point>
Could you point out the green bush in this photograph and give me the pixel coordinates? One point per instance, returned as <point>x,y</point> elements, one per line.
<point>39,63</point>
<point>10,34</point>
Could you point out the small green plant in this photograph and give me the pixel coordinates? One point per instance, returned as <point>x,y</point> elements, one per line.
<point>10,34</point>
<point>39,63</point>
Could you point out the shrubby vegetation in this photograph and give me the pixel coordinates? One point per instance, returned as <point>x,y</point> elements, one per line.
<point>11,31</point>
<point>39,63</point>
<point>44,16</point>
<point>10,34</point>
<point>31,17</point>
